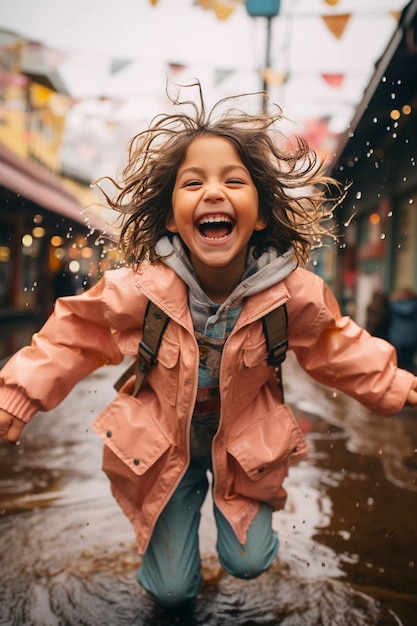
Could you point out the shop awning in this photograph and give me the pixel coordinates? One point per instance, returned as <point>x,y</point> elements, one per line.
<point>36,184</point>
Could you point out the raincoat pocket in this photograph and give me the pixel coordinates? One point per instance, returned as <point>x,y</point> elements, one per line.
<point>166,372</point>
<point>259,457</point>
<point>128,428</point>
<point>253,371</point>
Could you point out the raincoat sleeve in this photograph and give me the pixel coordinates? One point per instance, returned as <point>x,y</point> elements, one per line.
<point>338,353</point>
<point>74,341</point>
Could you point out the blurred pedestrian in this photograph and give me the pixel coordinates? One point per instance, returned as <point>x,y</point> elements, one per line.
<point>378,315</point>
<point>402,332</point>
<point>221,213</point>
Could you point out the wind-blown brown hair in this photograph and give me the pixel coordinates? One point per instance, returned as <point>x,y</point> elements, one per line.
<point>292,188</point>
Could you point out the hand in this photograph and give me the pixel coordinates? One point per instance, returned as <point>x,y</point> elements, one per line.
<point>412,394</point>
<point>10,426</point>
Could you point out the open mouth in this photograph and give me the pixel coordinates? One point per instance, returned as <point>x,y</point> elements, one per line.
<point>215,227</point>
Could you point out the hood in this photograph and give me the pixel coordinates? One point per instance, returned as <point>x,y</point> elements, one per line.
<point>260,274</point>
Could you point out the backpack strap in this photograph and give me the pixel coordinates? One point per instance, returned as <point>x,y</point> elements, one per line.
<point>275,326</point>
<point>154,325</point>
<point>155,322</point>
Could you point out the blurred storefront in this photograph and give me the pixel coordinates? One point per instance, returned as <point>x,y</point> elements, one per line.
<point>377,156</point>
<point>45,229</point>
<point>41,228</point>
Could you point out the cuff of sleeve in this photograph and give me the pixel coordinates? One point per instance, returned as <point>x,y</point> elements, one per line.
<point>393,401</point>
<point>17,403</point>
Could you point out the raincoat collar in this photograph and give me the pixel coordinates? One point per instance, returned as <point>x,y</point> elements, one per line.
<point>168,283</point>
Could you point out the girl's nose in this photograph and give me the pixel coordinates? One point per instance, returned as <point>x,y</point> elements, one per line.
<point>213,192</point>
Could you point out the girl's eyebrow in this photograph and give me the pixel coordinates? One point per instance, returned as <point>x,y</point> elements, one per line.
<point>224,170</point>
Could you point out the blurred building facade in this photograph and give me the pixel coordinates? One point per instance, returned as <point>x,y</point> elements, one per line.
<point>43,222</point>
<point>377,156</point>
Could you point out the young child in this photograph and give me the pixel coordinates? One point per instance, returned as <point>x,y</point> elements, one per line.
<point>221,212</point>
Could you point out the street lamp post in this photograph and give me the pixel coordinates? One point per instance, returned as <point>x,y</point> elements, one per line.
<point>268,9</point>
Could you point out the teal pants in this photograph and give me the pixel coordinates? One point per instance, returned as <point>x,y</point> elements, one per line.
<point>171,566</point>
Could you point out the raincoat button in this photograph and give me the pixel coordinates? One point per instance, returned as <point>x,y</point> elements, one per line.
<point>109,433</point>
<point>295,449</point>
<point>136,461</point>
<point>260,470</point>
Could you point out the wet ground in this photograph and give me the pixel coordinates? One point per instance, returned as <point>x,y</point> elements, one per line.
<point>348,535</point>
<point>16,329</point>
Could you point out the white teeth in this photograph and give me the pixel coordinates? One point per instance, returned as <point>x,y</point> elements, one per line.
<point>211,220</point>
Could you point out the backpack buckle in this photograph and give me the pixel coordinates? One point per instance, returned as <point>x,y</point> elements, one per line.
<point>146,357</point>
<point>277,353</point>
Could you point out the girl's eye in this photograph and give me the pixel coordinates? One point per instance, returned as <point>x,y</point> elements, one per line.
<point>235,181</point>
<point>192,183</point>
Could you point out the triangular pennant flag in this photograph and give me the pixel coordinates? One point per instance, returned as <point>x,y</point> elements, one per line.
<point>224,8</point>
<point>274,78</point>
<point>176,68</point>
<point>336,23</point>
<point>316,131</point>
<point>206,4</point>
<point>119,64</point>
<point>334,80</point>
<point>221,75</point>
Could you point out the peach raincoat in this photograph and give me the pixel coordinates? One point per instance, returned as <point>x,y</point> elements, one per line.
<point>146,450</point>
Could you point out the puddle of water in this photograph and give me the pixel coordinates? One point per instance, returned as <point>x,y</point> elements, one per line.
<point>348,533</point>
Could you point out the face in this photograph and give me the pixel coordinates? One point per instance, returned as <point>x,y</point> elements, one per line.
<point>215,205</point>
